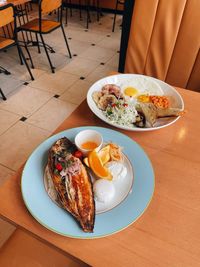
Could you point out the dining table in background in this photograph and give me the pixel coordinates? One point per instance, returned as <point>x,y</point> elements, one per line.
<point>168,233</point>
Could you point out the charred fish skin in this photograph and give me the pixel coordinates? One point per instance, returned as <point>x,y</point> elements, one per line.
<point>72,183</point>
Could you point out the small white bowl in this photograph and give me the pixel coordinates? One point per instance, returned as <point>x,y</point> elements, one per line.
<point>88,136</point>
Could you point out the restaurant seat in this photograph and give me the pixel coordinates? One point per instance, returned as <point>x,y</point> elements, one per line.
<point>164,41</point>
<point>43,26</point>
<point>22,250</point>
<point>47,26</point>
<point>9,36</point>
<point>4,42</point>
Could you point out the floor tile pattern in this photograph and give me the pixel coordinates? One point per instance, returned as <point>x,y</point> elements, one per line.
<point>34,109</point>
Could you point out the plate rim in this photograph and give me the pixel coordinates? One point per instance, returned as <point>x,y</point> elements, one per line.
<point>136,129</point>
<point>77,236</point>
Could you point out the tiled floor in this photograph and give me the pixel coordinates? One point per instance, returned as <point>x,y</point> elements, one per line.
<point>95,54</point>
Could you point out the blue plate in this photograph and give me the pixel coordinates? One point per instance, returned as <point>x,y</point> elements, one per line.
<point>57,220</point>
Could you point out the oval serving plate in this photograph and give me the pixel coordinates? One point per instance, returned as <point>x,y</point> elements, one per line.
<point>126,79</point>
<point>47,213</point>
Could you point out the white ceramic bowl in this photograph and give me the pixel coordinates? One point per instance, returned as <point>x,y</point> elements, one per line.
<point>88,136</point>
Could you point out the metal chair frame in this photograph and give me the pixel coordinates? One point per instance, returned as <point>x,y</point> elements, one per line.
<point>118,2</point>
<point>2,95</point>
<point>41,33</point>
<point>87,7</point>
<point>12,34</point>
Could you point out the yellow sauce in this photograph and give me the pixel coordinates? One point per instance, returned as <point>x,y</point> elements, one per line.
<point>89,145</point>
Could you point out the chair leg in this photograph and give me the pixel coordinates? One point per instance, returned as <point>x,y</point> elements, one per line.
<point>2,95</point>
<point>52,68</point>
<point>116,8</point>
<point>38,45</point>
<point>66,41</point>
<point>80,10</point>
<point>70,2</point>
<point>29,55</point>
<point>66,15</point>
<point>24,59</point>
<point>88,14</point>
<point>98,10</point>
<point>20,57</point>
<point>5,71</point>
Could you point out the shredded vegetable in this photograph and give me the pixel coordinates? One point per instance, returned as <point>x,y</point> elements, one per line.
<point>122,113</point>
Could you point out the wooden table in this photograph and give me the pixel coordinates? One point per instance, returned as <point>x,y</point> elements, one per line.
<point>168,233</point>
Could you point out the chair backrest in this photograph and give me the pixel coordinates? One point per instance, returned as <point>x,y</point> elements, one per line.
<point>6,15</point>
<point>48,6</point>
<point>8,27</point>
<point>164,41</point>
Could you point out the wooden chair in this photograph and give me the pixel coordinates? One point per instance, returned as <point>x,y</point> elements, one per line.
<point>9,37</point>
<point>118,2</point>
<point>164,42</point>
<point>43,26</point>
<point>95,4</point>
<point>86,5</point>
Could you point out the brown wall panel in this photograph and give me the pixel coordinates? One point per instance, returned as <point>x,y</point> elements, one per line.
<point>164,41</point>
<point>140,35</point>
<point>194,77</point>
<point>187,46</point>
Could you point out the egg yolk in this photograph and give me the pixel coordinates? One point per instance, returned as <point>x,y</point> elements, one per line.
<point>131,91</point>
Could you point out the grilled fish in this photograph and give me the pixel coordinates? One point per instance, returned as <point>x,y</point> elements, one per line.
<point>72,183</point>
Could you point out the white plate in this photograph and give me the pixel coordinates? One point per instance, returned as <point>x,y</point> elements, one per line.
<point>122,187</point>
<point>120,80</point>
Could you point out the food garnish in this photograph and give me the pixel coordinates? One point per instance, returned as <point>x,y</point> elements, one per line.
<point>115,152</point>
<point>97,166</point>
<point>110,152</point>
<point>104,154</point>
<point>78,154</point>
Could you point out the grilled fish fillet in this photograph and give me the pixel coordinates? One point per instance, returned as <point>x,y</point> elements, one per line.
<point>72,183</point>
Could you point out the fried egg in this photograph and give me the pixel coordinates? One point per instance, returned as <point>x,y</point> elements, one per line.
<point>131,91</point>
<point>141,86</point>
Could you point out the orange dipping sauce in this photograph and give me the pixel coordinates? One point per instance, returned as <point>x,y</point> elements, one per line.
<point>89,145</point>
